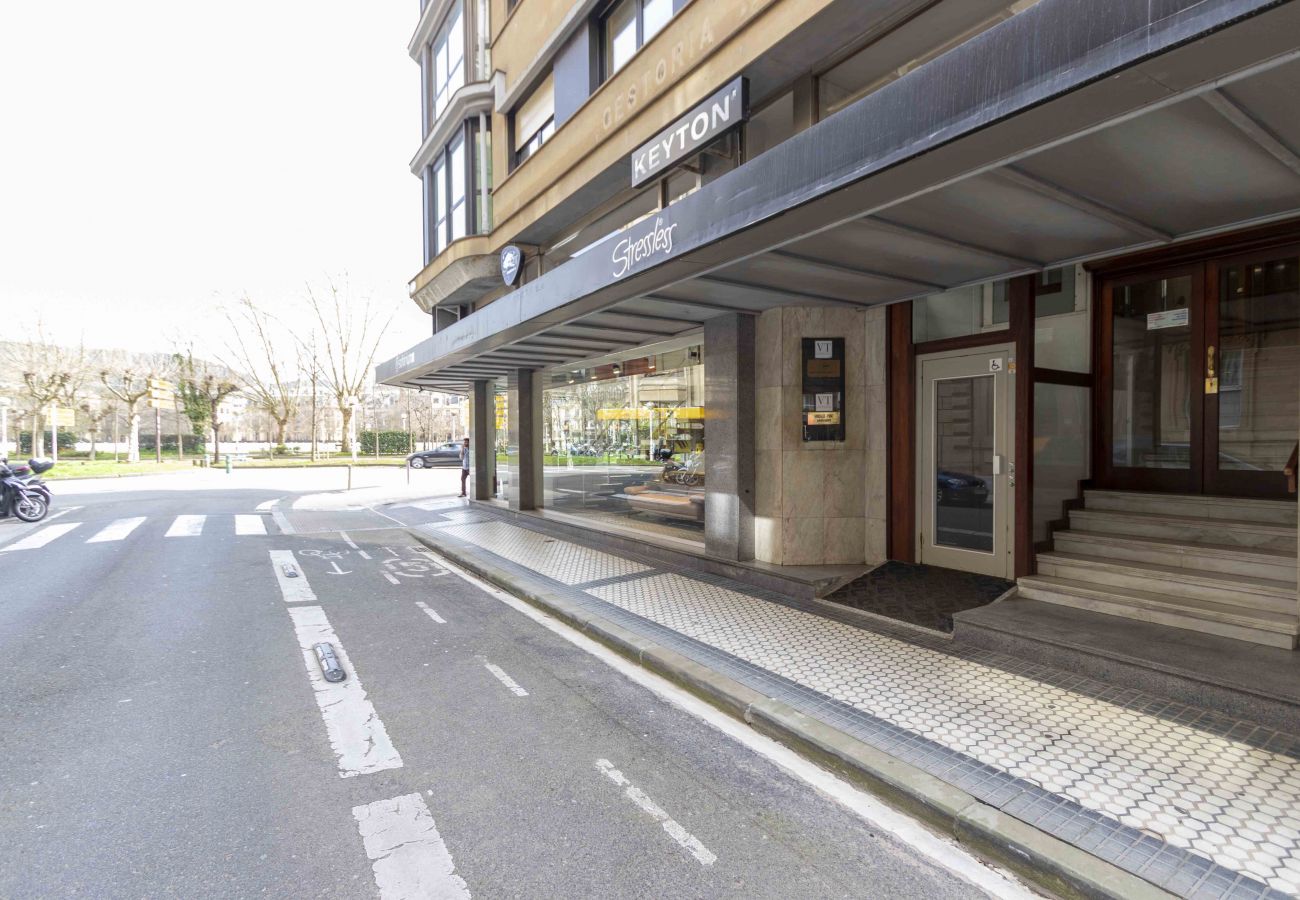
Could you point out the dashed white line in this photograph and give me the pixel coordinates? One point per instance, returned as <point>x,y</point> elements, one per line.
<point>250,525</point>
<point>430,613</point>
<point>116,530</point>
<point>506,680</point>
<point>674,829</point>
<point>355,731</point>
<point>391,577</point>
<point>186,526</point>
<point>363,554</point>
<point>407,854</point>
<point>942,850</point>
<point>40,537</point>
<point>296,588</point>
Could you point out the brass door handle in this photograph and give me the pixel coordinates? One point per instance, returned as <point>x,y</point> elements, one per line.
<point>1209,361</point>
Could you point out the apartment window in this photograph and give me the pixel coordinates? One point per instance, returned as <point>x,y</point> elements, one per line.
<point>447,55</point>
<point>626,27</point>
<point>535,120</point>
<point>454,209</point>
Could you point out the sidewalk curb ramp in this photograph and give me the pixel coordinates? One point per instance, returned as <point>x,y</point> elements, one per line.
<point>1046,862</point>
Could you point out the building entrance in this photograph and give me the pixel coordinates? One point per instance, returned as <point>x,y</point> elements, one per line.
<point>1199,370</point>
<point>966,466</point>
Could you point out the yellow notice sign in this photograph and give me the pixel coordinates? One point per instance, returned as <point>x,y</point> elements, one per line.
<point>823,418</point>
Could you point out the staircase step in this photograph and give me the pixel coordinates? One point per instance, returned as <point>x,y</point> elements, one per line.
<point>1231,532</point>
<point>1278,565</point>
<point>1246,591</point>
<point>1194,506</point>
<point>1257,626</point>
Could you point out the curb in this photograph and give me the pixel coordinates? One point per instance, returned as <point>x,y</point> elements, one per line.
<point>1039,858</point>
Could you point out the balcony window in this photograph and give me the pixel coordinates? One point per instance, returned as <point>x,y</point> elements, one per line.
<point>627,26</point>
<point>452,209</point>
<point>447,55</point>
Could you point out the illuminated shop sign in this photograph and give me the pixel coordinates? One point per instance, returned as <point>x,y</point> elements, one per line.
<point>724,110</point>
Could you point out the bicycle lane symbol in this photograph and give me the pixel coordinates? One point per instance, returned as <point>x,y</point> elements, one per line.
<point>333,556</point>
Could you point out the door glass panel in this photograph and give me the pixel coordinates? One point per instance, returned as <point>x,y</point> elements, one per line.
<point>1152,369</point>
<point>1258,364</point>
<point>963,454</point>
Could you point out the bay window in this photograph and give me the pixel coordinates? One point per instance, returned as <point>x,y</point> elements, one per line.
<point>627,26</point>
<point>452,209</point>
<point>446,62</point>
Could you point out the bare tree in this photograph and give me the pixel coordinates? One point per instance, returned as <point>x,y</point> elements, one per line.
<point>44,374</point>
<point>345,346</point>
<point>127,381</point>
<point>270,374</point>
<point>95,416</point>
<point>201,388</point>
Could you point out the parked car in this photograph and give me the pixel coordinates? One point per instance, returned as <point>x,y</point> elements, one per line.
<point>960,489</point>
<point>447,454</point>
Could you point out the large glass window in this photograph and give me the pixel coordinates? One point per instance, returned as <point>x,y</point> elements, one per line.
<point>628,26</point>
<point>447,54</point>
<point>960,312</point>
<point>623,443</point>
<point>452,209</point>
<point>535,120</point>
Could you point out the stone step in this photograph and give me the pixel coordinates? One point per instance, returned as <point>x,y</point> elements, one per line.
<point>1234,533</point>
<point>1246,591</point>
<point>1194,506</point>
<point>1277,565</point>
<point>1256,626</point>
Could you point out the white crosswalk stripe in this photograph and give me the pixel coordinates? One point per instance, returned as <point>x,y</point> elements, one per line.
<point>41,537</point>
<point>116,530</point>
<point>120,529</point>
<point>250,525</point>
<point>186,526</point>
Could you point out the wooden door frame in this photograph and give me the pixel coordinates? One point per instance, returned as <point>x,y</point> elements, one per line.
<point>903,415</point>
<point>1132,479</point>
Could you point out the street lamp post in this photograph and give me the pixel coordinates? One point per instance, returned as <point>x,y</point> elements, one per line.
<point>5,403</point>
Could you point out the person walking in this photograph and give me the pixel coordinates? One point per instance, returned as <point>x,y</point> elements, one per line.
<point>464,466</point>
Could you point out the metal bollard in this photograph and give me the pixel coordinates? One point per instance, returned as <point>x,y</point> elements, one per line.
<point>329,663</point>
<point>229,467</point>
<point>349,478</point>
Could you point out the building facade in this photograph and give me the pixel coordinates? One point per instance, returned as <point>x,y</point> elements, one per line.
<point>1009,288</point>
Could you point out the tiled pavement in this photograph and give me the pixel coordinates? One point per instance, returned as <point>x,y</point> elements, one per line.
<point>1201,805</point>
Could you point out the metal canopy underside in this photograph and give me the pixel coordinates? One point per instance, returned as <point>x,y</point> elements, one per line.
<point>1111,166</point>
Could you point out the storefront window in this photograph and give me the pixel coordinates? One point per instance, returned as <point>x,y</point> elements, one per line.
<point>1062,330</point>
<point>623,443</point>
<point>1061,418</point>
<point>502,432</point>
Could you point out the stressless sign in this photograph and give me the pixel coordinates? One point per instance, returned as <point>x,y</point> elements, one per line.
<point>629,251</point>
<point>724,110</point>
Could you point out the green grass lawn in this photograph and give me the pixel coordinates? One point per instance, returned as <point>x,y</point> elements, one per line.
<point>84,468</point>
<point>293,462</point>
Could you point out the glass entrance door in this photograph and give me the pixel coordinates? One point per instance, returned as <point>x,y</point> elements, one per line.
<point>966,471</point>
<point>1200,376</point>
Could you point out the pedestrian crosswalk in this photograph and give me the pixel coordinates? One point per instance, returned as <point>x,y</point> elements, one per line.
<point>185,526</point>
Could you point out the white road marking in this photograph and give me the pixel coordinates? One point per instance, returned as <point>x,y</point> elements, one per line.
<point>390,578</point>
<point>356,733</point>
<point>250,525</point>
<point>116,530</point>
<point>506,680</point>
<point>40,537</point>
<point>940,849</point>
<point>186,526</point>
<point>282,522</point>
<point>407,854</point>
<point>672,827</point>
<point>363,554</point>
<point>266,505</point>
<point>14,532</point>
<point>428,612</point>
<point>295,590</point>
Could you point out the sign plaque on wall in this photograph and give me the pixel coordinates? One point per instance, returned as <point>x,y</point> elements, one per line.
<point>717,114</point>
<point>823,389</point>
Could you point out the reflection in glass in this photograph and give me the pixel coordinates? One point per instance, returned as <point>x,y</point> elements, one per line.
<point>1061,420</point>
<point>1152,372</point>
<point>623,443</point>
<point>963,455</point>
<point>1258,364</point>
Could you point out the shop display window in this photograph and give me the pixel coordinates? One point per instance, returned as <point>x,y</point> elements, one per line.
<point>623,442</point>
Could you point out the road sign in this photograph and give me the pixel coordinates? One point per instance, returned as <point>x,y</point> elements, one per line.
<point>161,384</point>
<point>63,417</point>
<point>161,394</point>
<point>168,403</point>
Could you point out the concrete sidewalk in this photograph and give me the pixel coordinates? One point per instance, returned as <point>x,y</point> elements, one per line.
<point>1088,790</point>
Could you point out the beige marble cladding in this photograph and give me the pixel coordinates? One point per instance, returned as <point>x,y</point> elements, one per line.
<point>820,503</point>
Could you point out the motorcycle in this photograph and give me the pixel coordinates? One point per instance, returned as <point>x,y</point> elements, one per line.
<point>22,492</point>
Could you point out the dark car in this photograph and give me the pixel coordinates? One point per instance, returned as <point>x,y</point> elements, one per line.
<point>447,454</point>
<point>959,489</point>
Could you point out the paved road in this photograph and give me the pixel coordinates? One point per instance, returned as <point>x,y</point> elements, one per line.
<point>164,736</point>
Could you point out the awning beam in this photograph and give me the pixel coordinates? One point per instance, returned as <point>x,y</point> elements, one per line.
<point>1253,129</point>
<point>1086,205</point>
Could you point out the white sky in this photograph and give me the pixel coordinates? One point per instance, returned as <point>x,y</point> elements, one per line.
<point>157,157</point>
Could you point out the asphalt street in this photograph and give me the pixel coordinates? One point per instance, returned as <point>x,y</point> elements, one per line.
<point>165,735</point>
